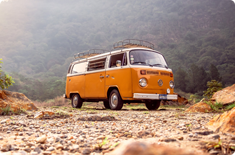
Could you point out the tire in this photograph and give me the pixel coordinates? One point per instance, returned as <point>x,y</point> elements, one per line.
<point>153,105</point>
<point>76,101</point>
<point>106,104</point>
<point>115,100</point>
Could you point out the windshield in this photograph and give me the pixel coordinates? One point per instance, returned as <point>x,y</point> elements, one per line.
<point>149,58</point>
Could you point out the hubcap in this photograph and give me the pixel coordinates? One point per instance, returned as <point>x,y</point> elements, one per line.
<point>114,100</point>
<point>75,101</point>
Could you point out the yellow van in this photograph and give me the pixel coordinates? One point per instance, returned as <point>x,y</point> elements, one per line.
<point>135,73</point>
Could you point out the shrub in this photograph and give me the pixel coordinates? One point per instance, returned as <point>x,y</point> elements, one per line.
<point>5,80</point>
<point>213,86</point>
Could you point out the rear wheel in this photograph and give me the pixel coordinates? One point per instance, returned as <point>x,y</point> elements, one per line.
<point>106,104</point>
<point>115,100</point>
<point>76,101</point>
<point>153,105</point>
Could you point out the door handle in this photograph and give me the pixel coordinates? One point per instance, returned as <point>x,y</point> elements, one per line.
<point>101,76</point>
<point>107,76</point>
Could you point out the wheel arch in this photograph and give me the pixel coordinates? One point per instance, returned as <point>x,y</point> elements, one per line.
<point>110,89</point>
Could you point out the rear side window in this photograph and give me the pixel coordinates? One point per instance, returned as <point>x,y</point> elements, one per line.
<point>96,64</point>
<point>79,68</point>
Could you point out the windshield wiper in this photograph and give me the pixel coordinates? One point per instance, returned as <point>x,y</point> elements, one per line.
<point>141,62</point>
<point>159,65</point>
<point>156,64</point>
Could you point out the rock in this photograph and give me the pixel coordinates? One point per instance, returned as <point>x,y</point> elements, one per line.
<point>5,147</point>
<point>86,152</point>
<point>41,139</point>
<point>225,96</point>
<point>59,147</point>
<point>16,101</point>
<point>180,101</point>
<point>46,153</point>
<point>204,133</point>
<point>199,107</point>
<point>38,150</point>
<point>41,114</point>
<point>51,149</point>
<point>143,148</point>
<point>224,123</point>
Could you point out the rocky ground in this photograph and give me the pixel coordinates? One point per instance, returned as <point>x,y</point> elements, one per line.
<point>93,130</point>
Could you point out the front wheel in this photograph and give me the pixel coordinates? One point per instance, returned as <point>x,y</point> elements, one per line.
<point>115,100</point>
<point>153,105</point>
<point>76,101</point>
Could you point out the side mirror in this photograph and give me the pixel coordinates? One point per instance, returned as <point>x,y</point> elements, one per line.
<point>118,63</point>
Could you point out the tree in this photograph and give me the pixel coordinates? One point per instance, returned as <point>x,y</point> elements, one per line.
<point>5,80</point>
<point>214,73</point>
<point>197,79</point>
<point>181,79</point>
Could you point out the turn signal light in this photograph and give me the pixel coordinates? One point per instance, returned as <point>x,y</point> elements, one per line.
<point>143,72</point>
<point>171,74</point>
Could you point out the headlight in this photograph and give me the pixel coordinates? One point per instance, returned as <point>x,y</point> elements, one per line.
<point>143,82</point>
<point>172,85</point>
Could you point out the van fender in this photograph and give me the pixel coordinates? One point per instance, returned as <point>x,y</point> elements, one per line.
<point>72,93</point>
<point>111,88</point>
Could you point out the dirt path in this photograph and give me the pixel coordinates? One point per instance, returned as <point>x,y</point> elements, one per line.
<point>91,130</point>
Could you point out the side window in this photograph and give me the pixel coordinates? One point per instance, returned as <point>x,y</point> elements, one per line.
<point>96,64</point>
<point>120,57</point>
<point>79,68</point>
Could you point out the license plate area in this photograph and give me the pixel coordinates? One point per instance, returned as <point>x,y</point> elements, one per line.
<point>162,96</point>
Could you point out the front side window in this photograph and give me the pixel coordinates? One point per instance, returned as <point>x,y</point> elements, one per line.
<point>148,58</point>
<point>116,59</point>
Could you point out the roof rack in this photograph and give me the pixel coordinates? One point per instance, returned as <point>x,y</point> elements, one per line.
<point>89,53</point>
<point>129,43</point>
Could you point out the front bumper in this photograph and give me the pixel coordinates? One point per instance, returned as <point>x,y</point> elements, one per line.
<point>154,96</point>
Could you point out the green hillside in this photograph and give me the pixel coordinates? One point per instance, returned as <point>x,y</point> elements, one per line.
<point>39,37</point>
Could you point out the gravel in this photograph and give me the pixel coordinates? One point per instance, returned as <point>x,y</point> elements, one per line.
<point>99,131</point>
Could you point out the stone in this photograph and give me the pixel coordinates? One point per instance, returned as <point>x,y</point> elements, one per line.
<point>180,101</point>
<point>224,123</point>
<point>41,114</point>
<point>16,101</point>
<point>5,147</point>
<point>86,152</point>
<point>46,153</point>
<point>225,96</point>
<point>59,147</point>
<point>51,149</point>
<point>199,107</point>
<point>41,139</point>
<point>142,148</point>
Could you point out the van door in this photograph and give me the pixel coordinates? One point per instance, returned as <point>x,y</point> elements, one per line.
<point>95,79</point>
<point>119,76</point>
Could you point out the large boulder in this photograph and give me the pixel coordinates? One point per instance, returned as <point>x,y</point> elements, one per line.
<point>223,123</point>
<point>199,107</point>
<point>225,96</point>
<point>143,148</point>
<point>15,101</point>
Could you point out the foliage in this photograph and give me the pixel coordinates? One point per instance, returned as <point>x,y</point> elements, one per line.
<point>194,98</point>
<point>6,110</point>
<point>5,80</point>
<point>217,106</point>
<point>213,86</point>
<point>229,107</point>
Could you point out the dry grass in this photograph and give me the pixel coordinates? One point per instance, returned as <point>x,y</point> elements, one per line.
<point>58,101</point>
